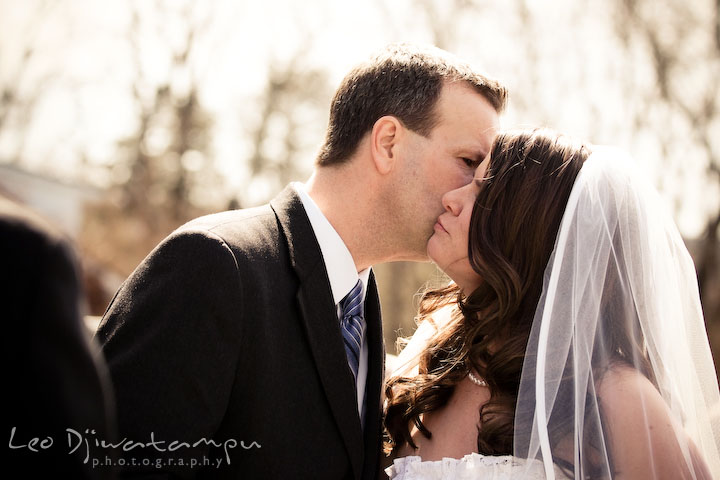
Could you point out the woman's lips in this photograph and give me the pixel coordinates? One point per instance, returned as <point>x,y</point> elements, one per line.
<point>439,227</point>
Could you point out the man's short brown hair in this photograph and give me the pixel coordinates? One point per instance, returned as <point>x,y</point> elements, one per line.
<point>404,81</point>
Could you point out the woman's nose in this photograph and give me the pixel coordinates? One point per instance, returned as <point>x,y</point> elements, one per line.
<point>452,201</point>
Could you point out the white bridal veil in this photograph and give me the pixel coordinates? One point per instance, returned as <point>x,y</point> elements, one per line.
<point>620,290</point>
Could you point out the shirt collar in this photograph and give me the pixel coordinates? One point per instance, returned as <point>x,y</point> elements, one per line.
<point>338,261</point>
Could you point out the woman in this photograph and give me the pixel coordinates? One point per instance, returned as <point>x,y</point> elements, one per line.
<point>571,343</point>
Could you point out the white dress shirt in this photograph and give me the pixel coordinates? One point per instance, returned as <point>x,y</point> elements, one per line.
<point>341,271</point>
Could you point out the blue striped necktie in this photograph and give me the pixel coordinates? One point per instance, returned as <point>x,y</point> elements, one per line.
<point>352,326</point>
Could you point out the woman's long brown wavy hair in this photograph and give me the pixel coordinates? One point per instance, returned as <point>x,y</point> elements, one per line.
<point>514,223</point>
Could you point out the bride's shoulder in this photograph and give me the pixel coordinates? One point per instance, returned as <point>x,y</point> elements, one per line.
<point>633,406</point>
<point>643,432</point>
<point>621,385</point>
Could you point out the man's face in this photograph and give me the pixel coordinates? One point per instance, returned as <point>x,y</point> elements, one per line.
<point>444,161</point>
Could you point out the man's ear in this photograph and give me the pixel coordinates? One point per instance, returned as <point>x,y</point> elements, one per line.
<point>385,137</point>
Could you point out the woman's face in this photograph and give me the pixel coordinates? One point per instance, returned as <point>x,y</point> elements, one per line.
<point>448,246</point>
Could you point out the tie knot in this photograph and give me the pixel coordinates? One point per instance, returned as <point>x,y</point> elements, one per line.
<point>352,304</point>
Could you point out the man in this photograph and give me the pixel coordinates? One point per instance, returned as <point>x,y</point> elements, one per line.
<point>262,326</point>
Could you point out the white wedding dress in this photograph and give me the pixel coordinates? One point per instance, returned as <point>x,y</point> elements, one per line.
<point>473,466</point>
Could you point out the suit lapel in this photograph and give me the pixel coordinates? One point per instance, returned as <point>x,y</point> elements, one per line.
<point>320,321</point>
<point>375,380</point>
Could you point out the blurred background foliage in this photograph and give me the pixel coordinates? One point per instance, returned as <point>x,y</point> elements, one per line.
<point>122,120</point>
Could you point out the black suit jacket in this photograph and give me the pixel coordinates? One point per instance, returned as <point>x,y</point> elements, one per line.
<point>228,331</point>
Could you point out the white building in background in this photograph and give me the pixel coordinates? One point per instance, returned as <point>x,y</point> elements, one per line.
<point>61,203</point>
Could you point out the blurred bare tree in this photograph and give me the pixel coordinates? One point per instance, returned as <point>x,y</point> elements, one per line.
<point>164,165</point>
<point>165,173</point>
<point>20,86</point>
<point>681,43</point>
<point>292,110</point>
<point>443,17</point>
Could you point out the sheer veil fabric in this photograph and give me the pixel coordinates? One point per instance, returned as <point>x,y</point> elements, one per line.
<point>620,295</point>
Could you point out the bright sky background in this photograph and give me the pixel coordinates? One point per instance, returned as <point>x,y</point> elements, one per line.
<point>84,69</point>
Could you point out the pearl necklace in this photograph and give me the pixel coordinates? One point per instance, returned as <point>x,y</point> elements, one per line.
<point>477,381</point>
